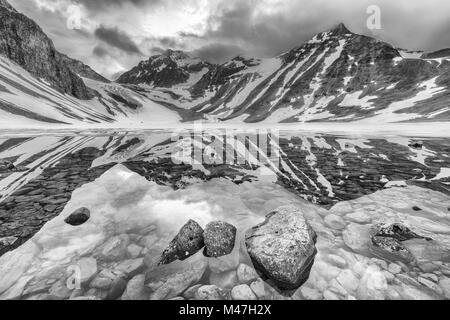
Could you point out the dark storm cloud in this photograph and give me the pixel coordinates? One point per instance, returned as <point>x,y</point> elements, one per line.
<point>226,28</point>
<point>217,52</point>
<point>118,39</point>
<point>100,51</point>
<point>411,24</point>
<point>107,4</point>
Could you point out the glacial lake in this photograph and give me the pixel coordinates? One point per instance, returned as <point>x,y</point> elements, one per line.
<point>142,187</point>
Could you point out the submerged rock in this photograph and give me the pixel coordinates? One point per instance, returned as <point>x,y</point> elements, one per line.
<point>397,231</point>
<point>115,248</point>
<point>136,289</point>
<point>186,243</point>
<point>243,292</point>
<point>393,247</point>
<point>210,292</point>
<point>78,217</point>
<point>219,239</point>
<point>282,248</point>
<point>387,239</point>
<point>174,284</point>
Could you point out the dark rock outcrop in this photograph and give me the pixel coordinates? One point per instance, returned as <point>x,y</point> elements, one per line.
<point>219,239</point>
<point>78,217</point>
<point>387,240</point>
<point>282,248</point>
<point>82,69</point>
<point>165,70</point>
<point>186,243</point>
<point>396,231</point>
<point>25,43</point>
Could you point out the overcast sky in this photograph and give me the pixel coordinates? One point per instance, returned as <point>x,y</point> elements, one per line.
<point>115,35</point>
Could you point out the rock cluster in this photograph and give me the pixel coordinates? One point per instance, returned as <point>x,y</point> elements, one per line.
<point>218,239</point>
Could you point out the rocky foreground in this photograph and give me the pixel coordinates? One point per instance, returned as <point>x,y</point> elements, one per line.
<point>114,253</point>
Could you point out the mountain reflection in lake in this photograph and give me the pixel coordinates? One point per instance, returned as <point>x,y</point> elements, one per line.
<point>142,187</point>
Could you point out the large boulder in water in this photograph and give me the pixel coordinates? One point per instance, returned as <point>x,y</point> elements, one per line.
<point>186,243</point>
<point>219,238</point>
<point>282,248</point>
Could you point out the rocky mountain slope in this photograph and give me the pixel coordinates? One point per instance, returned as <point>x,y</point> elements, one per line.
<point>24,42</point>
<point>336,76</point>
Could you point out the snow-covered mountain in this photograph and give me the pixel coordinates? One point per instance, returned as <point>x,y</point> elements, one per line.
<point>336,76</point>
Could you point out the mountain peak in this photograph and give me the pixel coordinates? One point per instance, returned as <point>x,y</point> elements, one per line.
<point>340,29</point>
<point>175,54</point>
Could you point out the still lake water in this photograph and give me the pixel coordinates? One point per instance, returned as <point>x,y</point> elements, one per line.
<point>141,188</point>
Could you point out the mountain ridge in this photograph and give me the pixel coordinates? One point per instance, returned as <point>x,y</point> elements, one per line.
<point>332,77</point>
<point>337,76</point>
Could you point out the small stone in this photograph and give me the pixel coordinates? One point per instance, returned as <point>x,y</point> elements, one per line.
<point>389,276</point>
<point>394,268</point>
<point>191,292</point>
<point>210,292</point>
<point>60,291</point>
<point>337,261</point>
<point>415,208</point>
<point>225,263</point>
<point>224,280</point>
<point>258,288</point>
<point>86,298</point>
<point>148,241</point>
<point>348,280</point>
<point>88,269</point>
<point>135,289</point>
<point>133,251</point>
<point>360,216</point>
<point>373,284</point>
<point>428,267</point>
<point>219,239</point>
<point>381,263</point>
<point>328,295</point>
<point>356,237</point>
<point>311,293</point>
<point>445,285</point>
<point>115,248</point>
<point>175,284</point>
<point>334,222</point>
<point>430,276</point>
<point>78,217</point>
<point>131,267</point>
<point>186,243</point>
<point>427,283</point>
<point>243,292</point>
<point>246,273</point>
